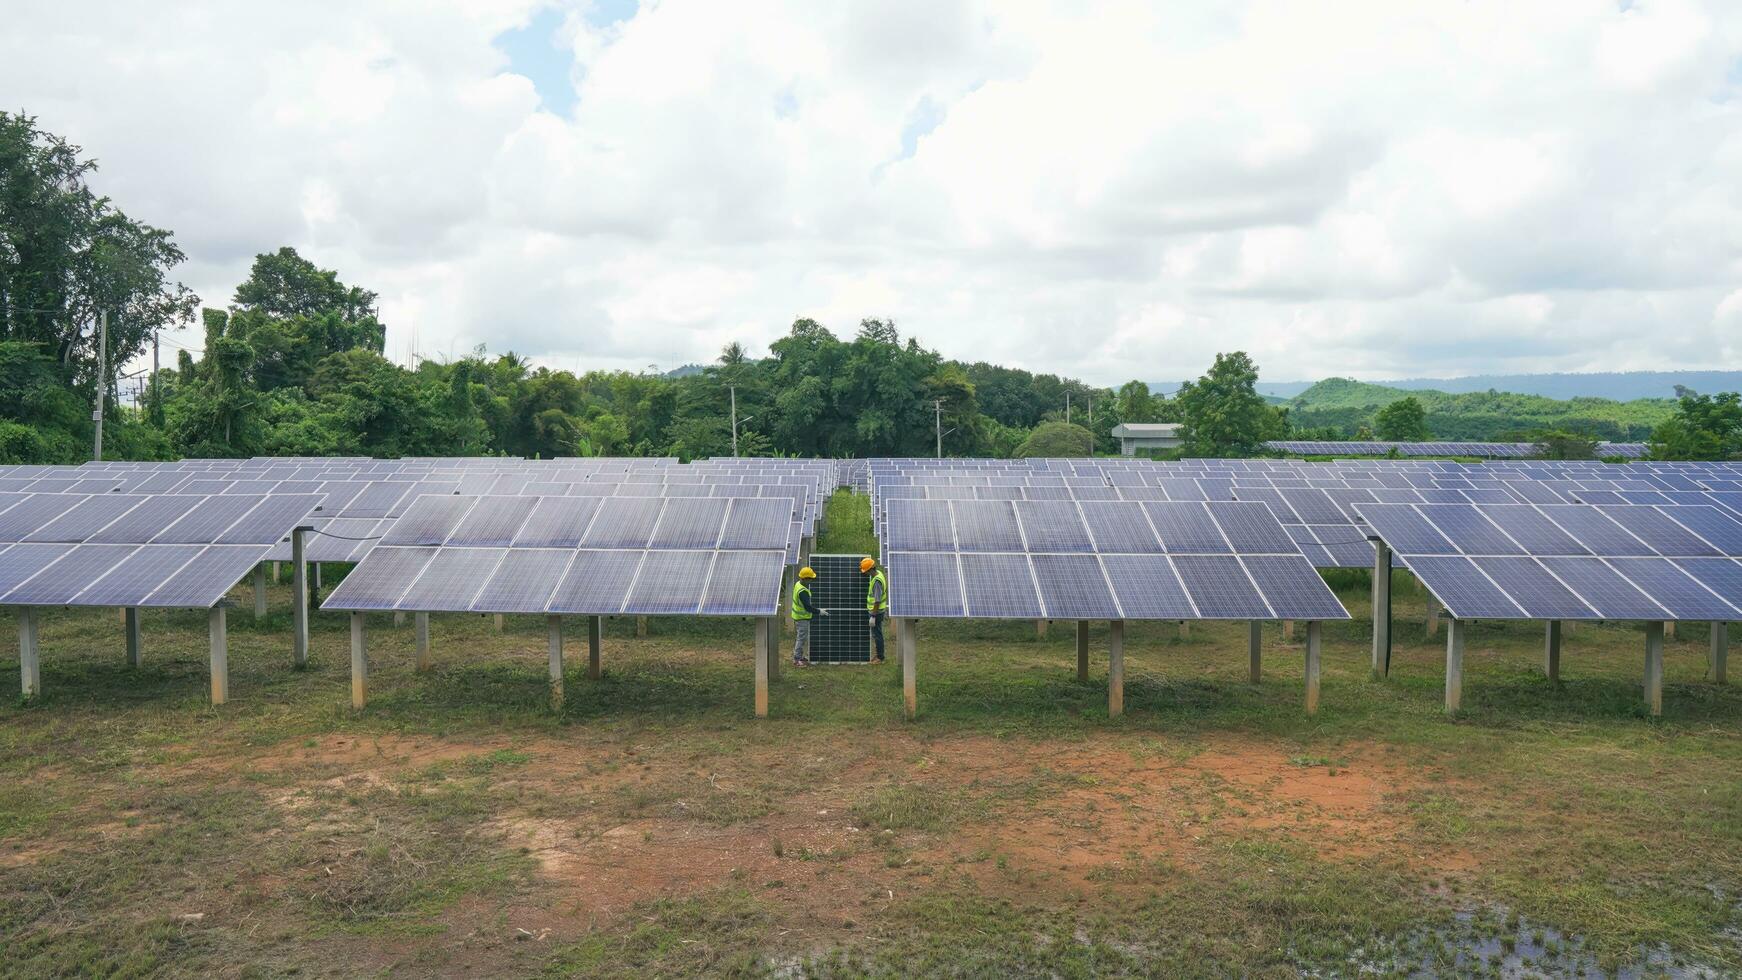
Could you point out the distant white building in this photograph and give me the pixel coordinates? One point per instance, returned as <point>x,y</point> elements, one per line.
<point>1133,436</point>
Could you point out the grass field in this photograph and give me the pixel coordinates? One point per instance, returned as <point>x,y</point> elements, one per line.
<point>458,827</point>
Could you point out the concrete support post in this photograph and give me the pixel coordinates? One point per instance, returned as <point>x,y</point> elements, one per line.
<point>1116,668</point>
<point>317,576</point>
<point>420,625</point>
<point>132,629</point>
<point>641,626</point>
<point>29,653</point>
<point>595,646</point>
<point>1551,651</point>
<point>1082,649</point>
<point>1381,607</point>
<point>762,667</point>
<point>909,678</point>
<point>1669,629</point>
<point>299,597</point>
<point>1454,665</point>
<point>1720,652</point>
<point>275,573</point>
<point>259,592</point>
<point>498,621</point>
<point>1040,629</point>
<point>1654,668</point>
<point>1433,614</point>
<point>217,626</point>
<point>554,626</point>
<point>359,664</point>
<point>1288,630</point>
<point>1314,642</point>
<point>1255,650</point>
<point>398,618</point>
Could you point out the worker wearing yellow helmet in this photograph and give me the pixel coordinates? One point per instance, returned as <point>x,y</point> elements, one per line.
<point>803,608</point>
<point>876,599</point>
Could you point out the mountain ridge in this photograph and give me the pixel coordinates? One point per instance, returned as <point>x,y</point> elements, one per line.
<point>1621,386</point>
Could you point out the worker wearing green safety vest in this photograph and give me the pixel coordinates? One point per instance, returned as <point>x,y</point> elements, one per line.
<point>802,611</point>
<point>876,599</point>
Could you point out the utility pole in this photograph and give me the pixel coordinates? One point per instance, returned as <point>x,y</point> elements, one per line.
<point>1067,408</point>
<point>734,390</point>
<point>154,341</point>
<point>938,422</point>
<point>102,379</point>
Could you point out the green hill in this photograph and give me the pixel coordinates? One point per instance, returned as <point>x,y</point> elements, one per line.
<point>1346,405</point>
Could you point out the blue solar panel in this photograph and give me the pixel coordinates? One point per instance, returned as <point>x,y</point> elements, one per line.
<point>1053,526</point>
<point>138,575</point>
<point>1538,593</point>
<point>1292,588</point>
<point>87,517</point>
<point>379,582</point>
<point>1251,528</point>
<point>597,583</point>
<point>1665,536</point>
<point>1403,528</point>
<point>924,585</point>
<point>32,513</point>
<point>1530,528</point>
<point>623,522</point>
<point>57,583</point>
<point>920,525</point>
<point>211,518</point>
<point>998,586</point>
<point>524,580</point>
<point>1147,587</point>
<point>144,521</point>
<point>670,582</point>
<point>744,583</point>
<point>1674,589</point>
<point>1314,506</point>
<point>986,525</point>
<point>429,520</point>
<point>1721,575</point>
<point>451,580</point>
<point>1120,527</point>
<point>556,522</point>
<point>1186,528</point>
<point>758,523</point>
<point>1469,531</point>
<point>1604,589</point>
<point>202,582</point>
<point>1595,531</point>
<point>1712,524</point>
<point>691,522</point>
<point>1220,588</point>
<point>1072,587</point>
<point>1466,592</point>
<point>493,523</point>
<point>270,521</point>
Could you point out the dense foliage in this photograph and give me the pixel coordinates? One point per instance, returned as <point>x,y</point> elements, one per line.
<point>1703,427</point>
<point>1223,415</point>
<point>1404,420</point>
<point>1344,408</point>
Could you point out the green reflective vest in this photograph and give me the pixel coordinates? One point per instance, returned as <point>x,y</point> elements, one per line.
<point>798,610</point>
<point>877,599</point>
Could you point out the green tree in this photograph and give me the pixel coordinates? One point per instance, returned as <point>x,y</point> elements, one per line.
<point>1703,427</point>
<point>1136,404</point>
<point>283,284</point>
<point>1404,420</point>
<point>1222,413</point>
<point>1565,445</point>
<point>1056,439</point>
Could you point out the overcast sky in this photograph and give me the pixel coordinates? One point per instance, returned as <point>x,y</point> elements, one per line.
<point>1383,189</point>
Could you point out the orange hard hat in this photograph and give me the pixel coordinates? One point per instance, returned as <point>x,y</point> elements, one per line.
<point>866,564</point>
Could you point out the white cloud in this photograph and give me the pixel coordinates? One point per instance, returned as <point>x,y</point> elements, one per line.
<point>1109,190</point>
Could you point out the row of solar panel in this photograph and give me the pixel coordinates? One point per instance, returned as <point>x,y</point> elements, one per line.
<point>1571,587</point>
<point>145,519</point>
<point>1154,527</point>
<point>1491,450</point>
<point>1107,586</point>
<point>661,523</point>
<point>1554,529</point>
<point>178,576</point>
<point>563,582</point>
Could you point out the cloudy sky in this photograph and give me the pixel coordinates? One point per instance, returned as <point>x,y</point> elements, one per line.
<point>1107,190</point>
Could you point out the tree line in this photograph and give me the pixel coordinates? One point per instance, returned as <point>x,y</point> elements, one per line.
<point>294,365</point>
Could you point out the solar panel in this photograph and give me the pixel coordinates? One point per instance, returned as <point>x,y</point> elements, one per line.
<point>87,517</point>
<point>32,513</point>
<point>1220,588</point>
<point>1251,528</point>
<point>623,522</point>
<point>1604,589</point>
<point>1293,589</point>
<point>379,582</point>
<point>998,586</point>
<point>1465,591</point>
<point>202,582</point>
<point>1663,535</point>
<point>1186,528</point>
<point>1053,526</point>
<point>142,522</point>
<point>597,583</point>
<point>986,525</point>
<point>430,520</point>
<point>739,584</point>
<point>141,573</point>
<point>670,582</point>
<point>1120,527</point>
<point>921,585</point>
<point>213,516</point>
<point>1595,530</point>
<point>266,523</point>
<point>1675,589</point>
<point>556,522</point>
<point>1534,589</point>
<point>1147,587</point>
<point>58,582</point>
<point>690,522</point>
<point>1534,531</point>
<point>451,580</point>
<point>1469,531</point>
<point>755,523</point>
<point>1072,587</point>
<point>524,581</point>
<point>920,525</point>
<point>492,523</point>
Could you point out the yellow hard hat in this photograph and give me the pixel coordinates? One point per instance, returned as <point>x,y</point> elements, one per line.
<point>807,572</point>
<point>866,564</point>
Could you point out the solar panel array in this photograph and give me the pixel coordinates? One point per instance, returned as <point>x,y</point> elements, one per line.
<point>1570,561</point>
<point>136,550</point>
<point>576,555</point>
<point>1483,450</point>
<point>1114,560</point>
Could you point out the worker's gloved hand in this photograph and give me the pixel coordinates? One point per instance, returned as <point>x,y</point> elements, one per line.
<point>871,621</point>
<point>822,612</point>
